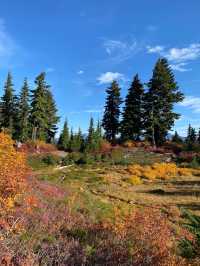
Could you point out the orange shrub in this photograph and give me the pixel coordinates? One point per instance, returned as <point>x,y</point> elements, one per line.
<point>13,169</point>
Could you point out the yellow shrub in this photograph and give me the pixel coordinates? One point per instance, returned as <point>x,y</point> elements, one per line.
<point>135,180</point>
<point>135,169</point>
<point>185,171</point>
<point>158,170</point>
<point>13,169</point>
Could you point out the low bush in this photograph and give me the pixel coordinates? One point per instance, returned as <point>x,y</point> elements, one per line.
<point>13,168</point>
<point>190,247</point>
<point>158,170</point>
<point>134,180</point>
<point>50,159</point>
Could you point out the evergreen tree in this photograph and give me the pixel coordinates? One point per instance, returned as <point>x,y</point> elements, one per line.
<point>99,129</point>
<point>79,140</point>
<point>98,136</point>
<point>43,116</point>
<point>198,137</point>
<point>52,116</point>
<point>159,102</point>
<point>23,113</point>
<point>191,135</point>
<point>110,120</point>
<point>176,138</point>
<point>90,141</point>
<point>8,106</point>
<point>63,142</point>
<point>132,117</point>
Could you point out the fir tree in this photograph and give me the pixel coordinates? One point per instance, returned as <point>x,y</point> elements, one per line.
<point>132,117</point>
<point>176,138</point>
<point>23,113</point>
<point>191,135</point>
<point>52,116</point>
<point>8,106</point>
<point>198,137</point>
<point>43,116</point>
<point>159,102</point>
<point>111,116</point>
<point>63,142</point>
<point>90,141</point>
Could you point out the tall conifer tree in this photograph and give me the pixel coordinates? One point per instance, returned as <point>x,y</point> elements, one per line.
<point>132,117</point>
<point>43,116</point>
<point>111,116</point>
<point>8,106</point>
<point>63,142</point>
<point>159,102</point>
<point>23,113</point>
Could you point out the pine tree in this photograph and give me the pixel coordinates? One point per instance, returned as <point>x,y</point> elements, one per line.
<point>176,138</point>
<point>8,106</point>
<point>111,116</point>
<point>90,141</point>
<point>23,113</point>
<point>63,142</point>
<point>98,136</point>
<point>198,137</point>
<point>43,116</point>
<point>132,117</point>
<point>191,135</point>
<point>159,102</point>
<point>52,116</point>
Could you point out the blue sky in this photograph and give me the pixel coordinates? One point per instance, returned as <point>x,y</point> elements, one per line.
<point>84,44</point>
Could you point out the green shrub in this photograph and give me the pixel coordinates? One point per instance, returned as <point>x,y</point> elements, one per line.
<point>190,248</point>
<point>50,159</point>
<point>86,158</point>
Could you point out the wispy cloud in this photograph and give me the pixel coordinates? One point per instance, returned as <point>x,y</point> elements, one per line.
<point>90,111</point>
<point>180,67</point>
<point>192,103</point>
<point>119,51</point>
<point>154,49</point>
<point>7,44</point>
<point>179,57</point>
<point>50,70</point>
<point>108,77</point>
<point>80,72</point>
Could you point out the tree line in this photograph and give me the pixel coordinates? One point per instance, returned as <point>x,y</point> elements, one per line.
<point>30,115</point>
<point>148,111</point>
<point>76,142</point>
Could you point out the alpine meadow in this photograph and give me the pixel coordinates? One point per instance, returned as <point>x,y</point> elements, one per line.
<point>99,133</point>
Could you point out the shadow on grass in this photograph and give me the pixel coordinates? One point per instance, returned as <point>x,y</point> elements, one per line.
<point>162,192</point>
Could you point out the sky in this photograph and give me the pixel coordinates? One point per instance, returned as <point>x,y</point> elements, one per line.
<point>83,45</point>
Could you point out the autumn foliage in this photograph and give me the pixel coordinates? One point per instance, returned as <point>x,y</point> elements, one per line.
<point>158,171</point>
<point>13,169</point>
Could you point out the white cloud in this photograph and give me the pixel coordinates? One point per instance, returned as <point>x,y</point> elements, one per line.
<point>80,72</point>
<point>192,103</point>
<point>108,77</point>
<point>86,111</point>
<point>119,51</point>
<point>155,49</point>
<point>7,45</point>
<point>179,57</point>
<point>191,52</point>
<point>50,69</point>
<point>112,46</point>
<point>180,67</point>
